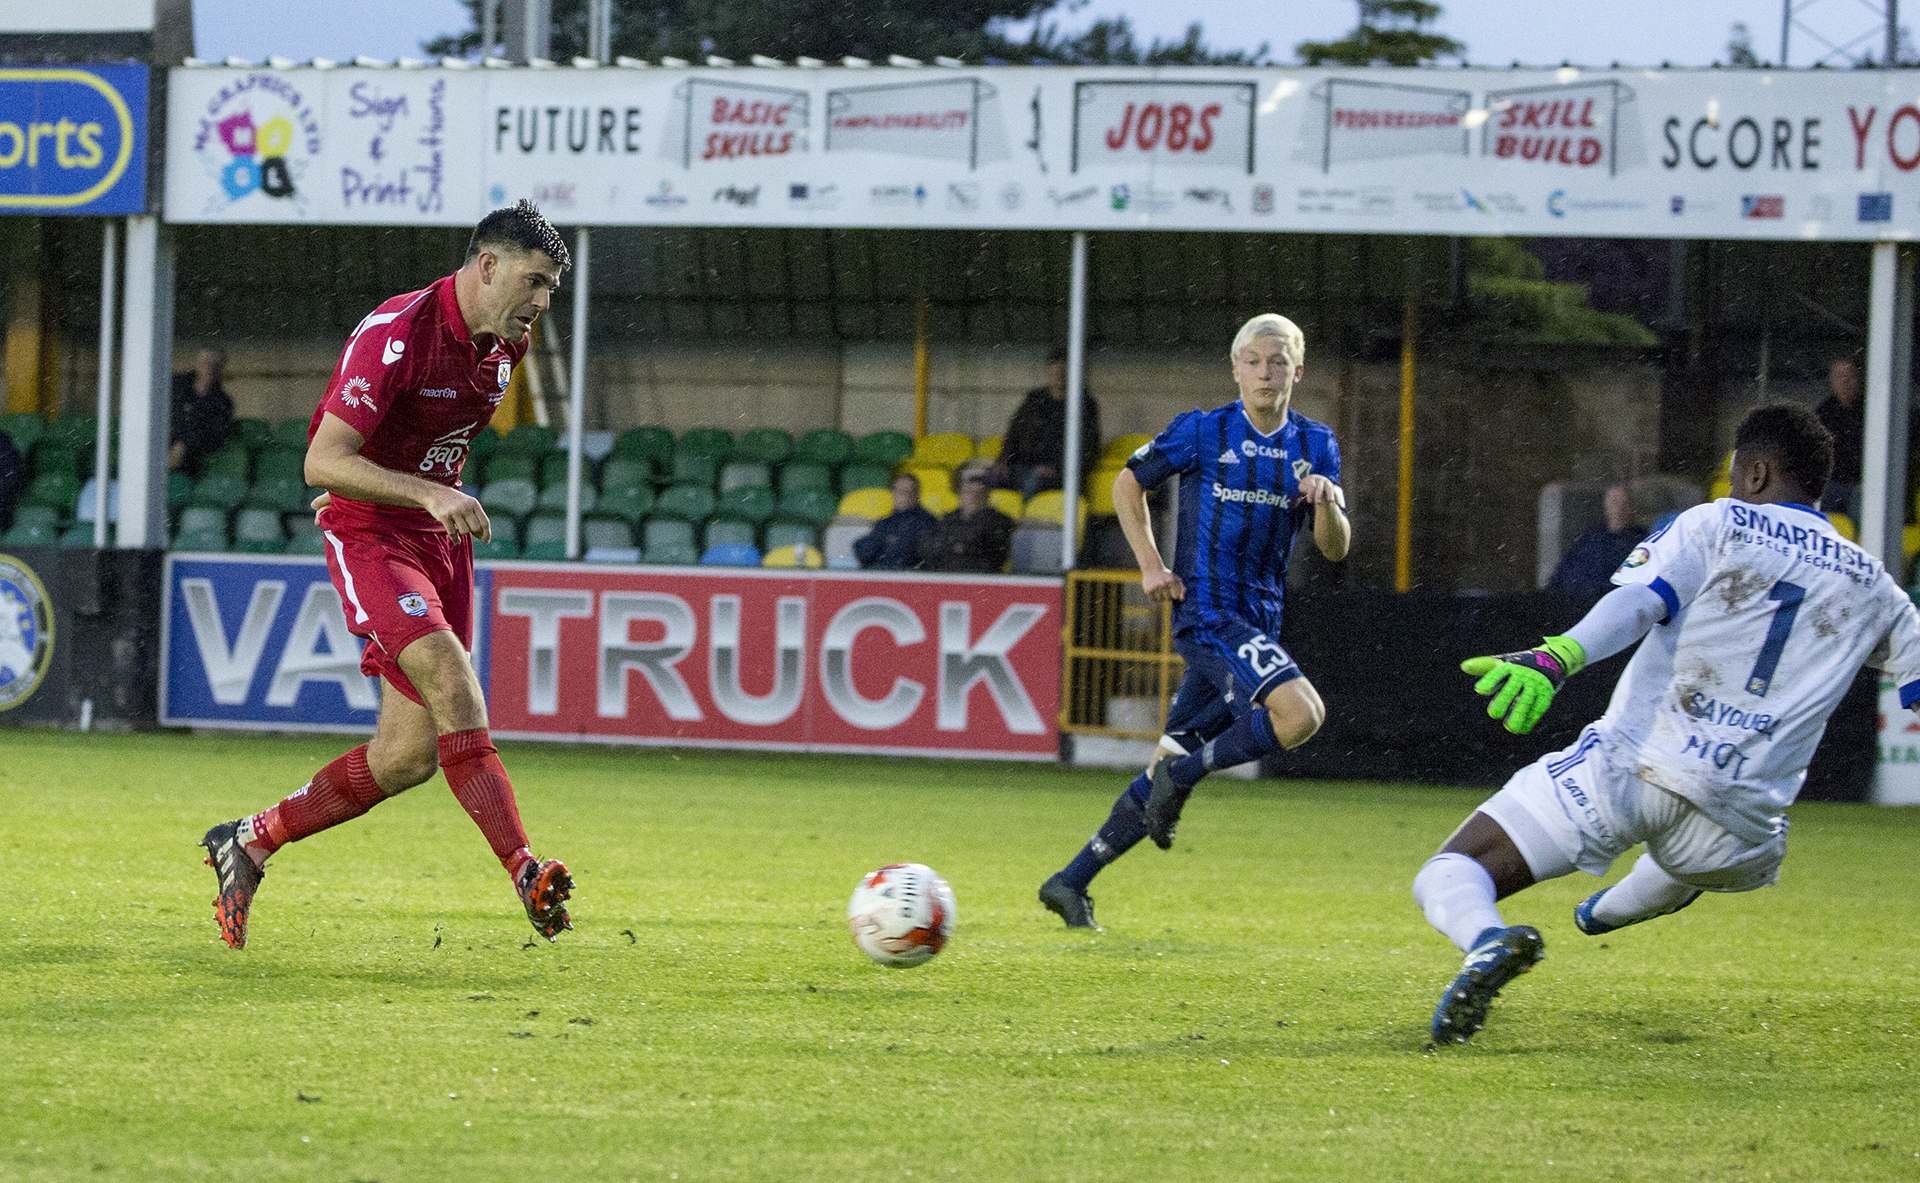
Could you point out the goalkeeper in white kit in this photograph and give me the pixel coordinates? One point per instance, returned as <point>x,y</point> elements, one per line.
<point>1756,615</point>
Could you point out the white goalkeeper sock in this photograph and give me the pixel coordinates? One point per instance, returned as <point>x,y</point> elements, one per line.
<point>1457,895</point>
<point>1646,891</point>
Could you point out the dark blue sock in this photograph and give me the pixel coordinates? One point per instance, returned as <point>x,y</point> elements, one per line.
<point>1250,738</point>
<point>1124,828</point>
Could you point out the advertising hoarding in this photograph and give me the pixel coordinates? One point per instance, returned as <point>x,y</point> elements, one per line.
<point>1634,153</point>
<point>908,664</point>
<point>73,139</point>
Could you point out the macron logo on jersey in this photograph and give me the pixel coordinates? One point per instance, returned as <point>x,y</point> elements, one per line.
<point>393,351</point>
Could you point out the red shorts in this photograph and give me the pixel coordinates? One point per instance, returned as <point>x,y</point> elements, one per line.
<point>396,587</point>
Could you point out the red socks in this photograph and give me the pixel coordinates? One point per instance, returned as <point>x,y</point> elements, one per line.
<point>480,784</point>
<point>341,791</point>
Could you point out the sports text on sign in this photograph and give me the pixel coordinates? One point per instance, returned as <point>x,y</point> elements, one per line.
<point>71,139</point>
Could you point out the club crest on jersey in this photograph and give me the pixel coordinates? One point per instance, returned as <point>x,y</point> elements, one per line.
<point>413,604</point>
<point>1227,457</point>
<point>1301,468</point>
<point>506,373</point>
<point>1638,558</point>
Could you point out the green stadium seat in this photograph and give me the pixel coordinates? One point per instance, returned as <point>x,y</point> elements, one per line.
<point>544,527</point>
<point>79,536</point>
<point>631,502</point>
<point>51,455</point>
<point>485,443</point>
<point>865,476</point>
<point>75,431</point>
<point>528,439</point>
<point>502,547</point>
<point>824,446</point>
<point>313,544</point>
<point>31,534</point>
<point>299,525</point>
<point>179,489</point>
<point>203,519</point>
<point>652,444</point>
<point>25,429</point>
<point>694,468</point>
<point>688,503</point>
<point>553,469</point>
<point>751,503</point>
<point>730,532</point>
<point>546,550</point>
<point>40,515</point>
<point>554,496</point>
<point>292,433</point>
<point>514,497</point>
<point>281,493</point>
<point>741,474</point>
<point>605,532</point>
<point>790,534</point>
<point>510,466</point>
<point>765,445</point>
<point>61,490</point>
<point>706,441</point>
<point>203,540</point>
<point>280,462</point>
<point>220,490</point>
<point>805,475</point>
<point>257,530</point>
<point>808,505</point>
<point>883,447</point>
<point>231,460</point>
<point>668,542</point>
<point>619,471</point>
<point>253,434</point>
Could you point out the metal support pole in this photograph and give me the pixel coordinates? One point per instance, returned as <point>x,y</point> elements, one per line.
<point>600,31</point>
<point>1893,33</point>
<point>1883,473</point>
<point>1786,24</point>
<point>1403,530</point>
<point>920,384</point>
<point>1076,385</point>
<point>146,381</point>
<point>577,396</point>
<point>103,407</point>
<point>489,27</point>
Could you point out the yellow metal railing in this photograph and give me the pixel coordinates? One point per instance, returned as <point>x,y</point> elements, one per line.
<point>1118,657</point>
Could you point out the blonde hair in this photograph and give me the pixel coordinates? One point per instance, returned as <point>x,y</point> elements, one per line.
<point>1271,324</point>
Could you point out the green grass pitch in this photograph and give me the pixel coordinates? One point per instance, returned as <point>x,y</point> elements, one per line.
<point>1256,1009</point>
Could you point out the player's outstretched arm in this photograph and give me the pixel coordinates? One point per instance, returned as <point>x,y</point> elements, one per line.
<point>1130,506</point>
<point>1332,532</point>
<point>334,463</point>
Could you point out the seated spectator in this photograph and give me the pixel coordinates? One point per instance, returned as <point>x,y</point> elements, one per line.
<point>1846,417</point>
<point>202,415</point>
<point>13,478</point>
<point>1033,455</point>
<point>896,540</point>
<point>1586,570</point>
<point>975,537</point>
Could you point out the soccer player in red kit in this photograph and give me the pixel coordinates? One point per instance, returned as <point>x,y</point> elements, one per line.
<point>418,379</point>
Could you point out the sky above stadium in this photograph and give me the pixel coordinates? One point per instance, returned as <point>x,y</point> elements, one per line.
<point>1496,32</point>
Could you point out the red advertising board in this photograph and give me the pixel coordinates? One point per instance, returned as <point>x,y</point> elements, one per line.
<point>919,664</point>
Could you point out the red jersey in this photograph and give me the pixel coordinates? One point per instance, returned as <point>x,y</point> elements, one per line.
<point>415,384</point>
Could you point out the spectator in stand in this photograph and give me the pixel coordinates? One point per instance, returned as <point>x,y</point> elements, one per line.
<point>896,540</point>
<point>1586,571</point>
<point>1846,417</point>
<point>975,537</point>
<point>202,414</point>
<point>13,478</point>
<point>1033,454</point>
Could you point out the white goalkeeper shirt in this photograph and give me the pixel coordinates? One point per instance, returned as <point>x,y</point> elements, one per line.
<point>1770,614</point>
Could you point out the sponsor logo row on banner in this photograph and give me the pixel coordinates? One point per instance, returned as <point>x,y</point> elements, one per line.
<point>1829,154</point>
<point>902,664</point>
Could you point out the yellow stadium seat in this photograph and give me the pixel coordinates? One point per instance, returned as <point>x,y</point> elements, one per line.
<point>931,476</point>
<point>1909,541</point>
<point>1100,489</point>
<point>793,556</point>
<point>989,448</point>
<point>1050,506</point>
<point>1007,501</point>
<point>1720,488</point>
<point>1845,526</point>
<point>938,501</point>
<point>1120,447</point>
<point>871,504</point>
<point>948,449</point>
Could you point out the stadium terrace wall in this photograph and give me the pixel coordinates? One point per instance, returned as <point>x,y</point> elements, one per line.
<point>104,608</point>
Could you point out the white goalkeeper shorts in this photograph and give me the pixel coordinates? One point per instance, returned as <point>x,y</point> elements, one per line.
<point>1573,809</point>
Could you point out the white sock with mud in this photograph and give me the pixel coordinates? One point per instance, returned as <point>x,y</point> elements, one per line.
<point>1457,895</point>
<point>1646,891</point>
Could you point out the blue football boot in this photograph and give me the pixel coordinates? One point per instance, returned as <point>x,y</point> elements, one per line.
<point>1499,955</point>
<point>1585,920</point>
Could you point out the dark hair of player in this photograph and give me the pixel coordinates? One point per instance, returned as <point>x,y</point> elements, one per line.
<point>1792,437</point>
<point>522,227</point>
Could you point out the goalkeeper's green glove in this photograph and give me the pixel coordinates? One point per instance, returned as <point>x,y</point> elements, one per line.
<point>1526,681</point>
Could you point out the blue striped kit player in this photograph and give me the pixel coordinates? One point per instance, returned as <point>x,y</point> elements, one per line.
<point>1252,474</point>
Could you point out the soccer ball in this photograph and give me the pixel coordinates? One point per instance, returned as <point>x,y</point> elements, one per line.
<point>901,914</point>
